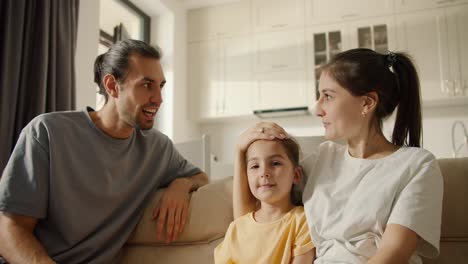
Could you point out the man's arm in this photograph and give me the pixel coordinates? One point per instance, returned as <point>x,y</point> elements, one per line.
<point>172,209</point>
<point>19,245</point>
<point>398,244</point>
<point>192,183</point>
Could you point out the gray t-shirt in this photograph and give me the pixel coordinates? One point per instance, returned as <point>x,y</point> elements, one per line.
<point>88,190</point>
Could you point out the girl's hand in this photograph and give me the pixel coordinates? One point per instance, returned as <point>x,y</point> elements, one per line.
<point>262,130</point>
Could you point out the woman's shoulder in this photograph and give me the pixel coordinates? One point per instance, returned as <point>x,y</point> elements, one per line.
<point>414,156</point>
<point>325,149</point>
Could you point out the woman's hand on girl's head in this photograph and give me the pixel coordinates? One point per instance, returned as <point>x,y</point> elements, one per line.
<point>262,130</point>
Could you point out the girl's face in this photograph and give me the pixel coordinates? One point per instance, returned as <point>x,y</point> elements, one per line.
<point>341,112</point>
<point>270,172</point>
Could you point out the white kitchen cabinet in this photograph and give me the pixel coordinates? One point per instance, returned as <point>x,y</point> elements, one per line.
<point>413,5</point>
<point>222,21</point>
<point>437,40</point>
<point>320,11</point>
<point>204,79</point>
<point>377,34</point>
<point>237,81</point>
<point>332,11</point>
<point>323,42</point>
<point>423,35</point>
<point>283,89</point>
<point>274,15</point>
<point>456,83</point>
<point>220,78</point>
<point>279,51</point>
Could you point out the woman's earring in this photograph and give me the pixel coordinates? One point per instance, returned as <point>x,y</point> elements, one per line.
<point>363,113</point>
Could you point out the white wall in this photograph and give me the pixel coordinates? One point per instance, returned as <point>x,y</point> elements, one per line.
<point>169,32</point>
<point>86,52</point>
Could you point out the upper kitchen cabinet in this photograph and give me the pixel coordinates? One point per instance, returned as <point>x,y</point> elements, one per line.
<point>437,40</point>
<point>204,79</point>
<point>279,51</point>
<point>323,42</point>
<point>220,78</point>
<point>423,35</point>
<point>331,11</point>
<point>237,81</point>
<point>412,5</point>
<point>377,34</point>
<point>271,15</point>
<point>223,21</point>
<point>284,89</point>
<point>457,81</point>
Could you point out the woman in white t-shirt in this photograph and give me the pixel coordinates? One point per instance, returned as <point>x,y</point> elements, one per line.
<point>371,200</point>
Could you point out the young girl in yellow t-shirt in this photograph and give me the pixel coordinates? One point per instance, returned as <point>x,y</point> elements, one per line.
<point>276,231</point>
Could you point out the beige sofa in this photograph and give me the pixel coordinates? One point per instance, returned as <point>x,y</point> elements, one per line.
<point>211,213</point>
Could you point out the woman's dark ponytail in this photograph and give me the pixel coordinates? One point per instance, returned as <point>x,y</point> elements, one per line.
<point>408,123</point>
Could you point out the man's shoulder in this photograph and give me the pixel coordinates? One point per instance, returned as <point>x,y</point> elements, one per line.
<point>43,123</point>
<point>57,117</point>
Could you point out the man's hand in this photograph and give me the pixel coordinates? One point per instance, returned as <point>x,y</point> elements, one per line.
<point>172,209</point>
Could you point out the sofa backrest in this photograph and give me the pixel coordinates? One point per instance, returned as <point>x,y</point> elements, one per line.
<point>211,214</point>
<point>454,237</point>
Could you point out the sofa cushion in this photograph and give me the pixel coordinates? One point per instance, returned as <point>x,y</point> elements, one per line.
<point>150,254</point>
<point>455,208</point>
<point>210,214</point>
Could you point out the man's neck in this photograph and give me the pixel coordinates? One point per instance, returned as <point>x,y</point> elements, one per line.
<point>107,119</point>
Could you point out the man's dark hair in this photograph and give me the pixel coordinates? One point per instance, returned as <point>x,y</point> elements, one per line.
<point>115,60</point>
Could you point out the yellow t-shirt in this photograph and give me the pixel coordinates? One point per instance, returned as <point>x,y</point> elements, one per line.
<point>248,241</point>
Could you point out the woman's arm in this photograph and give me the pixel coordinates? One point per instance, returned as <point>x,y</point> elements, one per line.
<point>398,244</point>
<point>243,200</point>
<point>306,258</point>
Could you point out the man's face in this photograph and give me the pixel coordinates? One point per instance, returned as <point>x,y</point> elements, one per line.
<point>140,93</point>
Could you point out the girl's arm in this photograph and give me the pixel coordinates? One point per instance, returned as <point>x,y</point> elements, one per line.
<point>243,200</point>
<point>306,258</point>
<point>398,244</point>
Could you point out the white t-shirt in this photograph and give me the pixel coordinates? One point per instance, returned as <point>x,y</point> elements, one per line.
<point>349,201</point>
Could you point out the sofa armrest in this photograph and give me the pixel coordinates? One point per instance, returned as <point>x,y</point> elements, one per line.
<point>210,213</point>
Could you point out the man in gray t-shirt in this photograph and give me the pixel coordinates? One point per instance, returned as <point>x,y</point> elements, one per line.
<point>77,182</point>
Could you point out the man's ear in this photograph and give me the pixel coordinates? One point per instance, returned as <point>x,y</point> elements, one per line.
<point>297,175</point>
<point>370,102</point>
<point>111,85</point>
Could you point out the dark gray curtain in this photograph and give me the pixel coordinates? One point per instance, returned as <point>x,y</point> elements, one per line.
<point>37,63</point>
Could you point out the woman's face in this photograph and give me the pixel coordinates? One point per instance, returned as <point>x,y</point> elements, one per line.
<point>341,112</point>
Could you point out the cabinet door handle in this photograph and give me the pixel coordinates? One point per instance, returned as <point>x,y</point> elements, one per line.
<point>349,15</point>
<point>279,25</point>
<point>279,66</point>
<point>441,2</point>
